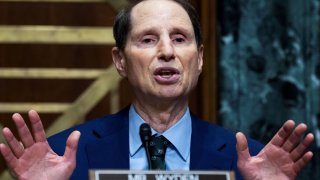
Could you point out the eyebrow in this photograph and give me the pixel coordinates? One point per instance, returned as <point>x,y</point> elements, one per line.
<point>152,30</point>
<point>139,34</point>
<point>183,30</point>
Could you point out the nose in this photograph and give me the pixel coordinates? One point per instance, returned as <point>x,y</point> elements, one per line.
<point>166,50</point>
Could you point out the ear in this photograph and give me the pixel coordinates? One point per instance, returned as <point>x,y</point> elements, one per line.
<point>200,58</point>
<point>119,61</point>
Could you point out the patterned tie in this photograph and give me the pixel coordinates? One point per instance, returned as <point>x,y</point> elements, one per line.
<point>158,146</point>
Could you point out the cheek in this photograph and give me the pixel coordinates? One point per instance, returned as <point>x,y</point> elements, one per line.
<point>193,71</point>
<point>137,70</point>
<point>194,67</point>
<point>138,61</point>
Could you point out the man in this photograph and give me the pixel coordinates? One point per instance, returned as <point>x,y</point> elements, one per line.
<point>159,50</point>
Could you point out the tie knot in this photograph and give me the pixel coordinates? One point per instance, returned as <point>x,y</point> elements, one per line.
<point>159,141</point>
<point>158,146</point>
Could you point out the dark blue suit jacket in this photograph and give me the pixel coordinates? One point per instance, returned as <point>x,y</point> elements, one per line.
<point>104,144</point>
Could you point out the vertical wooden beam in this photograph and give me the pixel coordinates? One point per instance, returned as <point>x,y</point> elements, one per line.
<point>209,80</point>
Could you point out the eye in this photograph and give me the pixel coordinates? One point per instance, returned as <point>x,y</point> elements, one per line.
<point>148,40</point>
<point>178,38</point>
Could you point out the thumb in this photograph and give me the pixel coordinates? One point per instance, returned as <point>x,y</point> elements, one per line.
<point>242,148</point>
<point>72,146</point>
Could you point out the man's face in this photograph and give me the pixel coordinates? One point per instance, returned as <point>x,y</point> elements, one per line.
<point>161,58</point>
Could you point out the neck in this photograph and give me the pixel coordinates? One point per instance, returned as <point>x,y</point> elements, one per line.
<point>161,116</point>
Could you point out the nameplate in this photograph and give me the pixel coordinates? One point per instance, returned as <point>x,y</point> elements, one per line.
<point>160,175</point>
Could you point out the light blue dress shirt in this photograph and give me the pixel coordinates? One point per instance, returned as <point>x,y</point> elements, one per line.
<point>177,155</point>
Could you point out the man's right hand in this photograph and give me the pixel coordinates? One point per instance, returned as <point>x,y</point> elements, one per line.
<point>33,158</point>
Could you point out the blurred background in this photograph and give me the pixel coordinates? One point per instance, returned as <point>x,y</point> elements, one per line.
<point>261,66</point>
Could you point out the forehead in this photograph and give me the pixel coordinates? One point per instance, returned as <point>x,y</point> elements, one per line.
<point>156,12</point>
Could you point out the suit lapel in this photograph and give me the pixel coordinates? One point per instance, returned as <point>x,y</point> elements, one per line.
<point>207,148</point>
<point>111,150</point>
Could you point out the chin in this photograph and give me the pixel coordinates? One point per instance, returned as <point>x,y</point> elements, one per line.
<point>171,94</point>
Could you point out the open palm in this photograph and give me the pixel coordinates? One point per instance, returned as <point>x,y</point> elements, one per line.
<point>32,158</point>
<point>282,158</point>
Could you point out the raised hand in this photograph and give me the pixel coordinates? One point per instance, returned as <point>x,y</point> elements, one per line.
<point>282,158</point>
<point>32,158</point>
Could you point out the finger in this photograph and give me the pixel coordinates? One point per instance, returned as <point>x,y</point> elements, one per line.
<point>13,143</point>
<point>72,145</point>
<point>299,151</point>
<point>283,133</point>
<point>302,162</point>
<point>8,156</point>
<point>37,127</point>
<point>242,148</point>
<point>23,130</point>
<point>295,137</point>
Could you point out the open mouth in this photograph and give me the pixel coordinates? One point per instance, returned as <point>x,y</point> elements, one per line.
<point>166,72</point>
<point>167,75</point>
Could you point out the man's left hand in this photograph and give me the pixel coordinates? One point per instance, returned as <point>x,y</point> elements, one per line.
<point>282,158</point>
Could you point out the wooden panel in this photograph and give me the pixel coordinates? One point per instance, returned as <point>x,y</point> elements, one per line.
<point>48,90</point>
<point>115,4</point>
<point>62,14</point>
<point>55,56</point>
<point>41,90</point>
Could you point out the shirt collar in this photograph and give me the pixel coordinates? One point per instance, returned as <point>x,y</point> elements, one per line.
<point>174,134</point>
